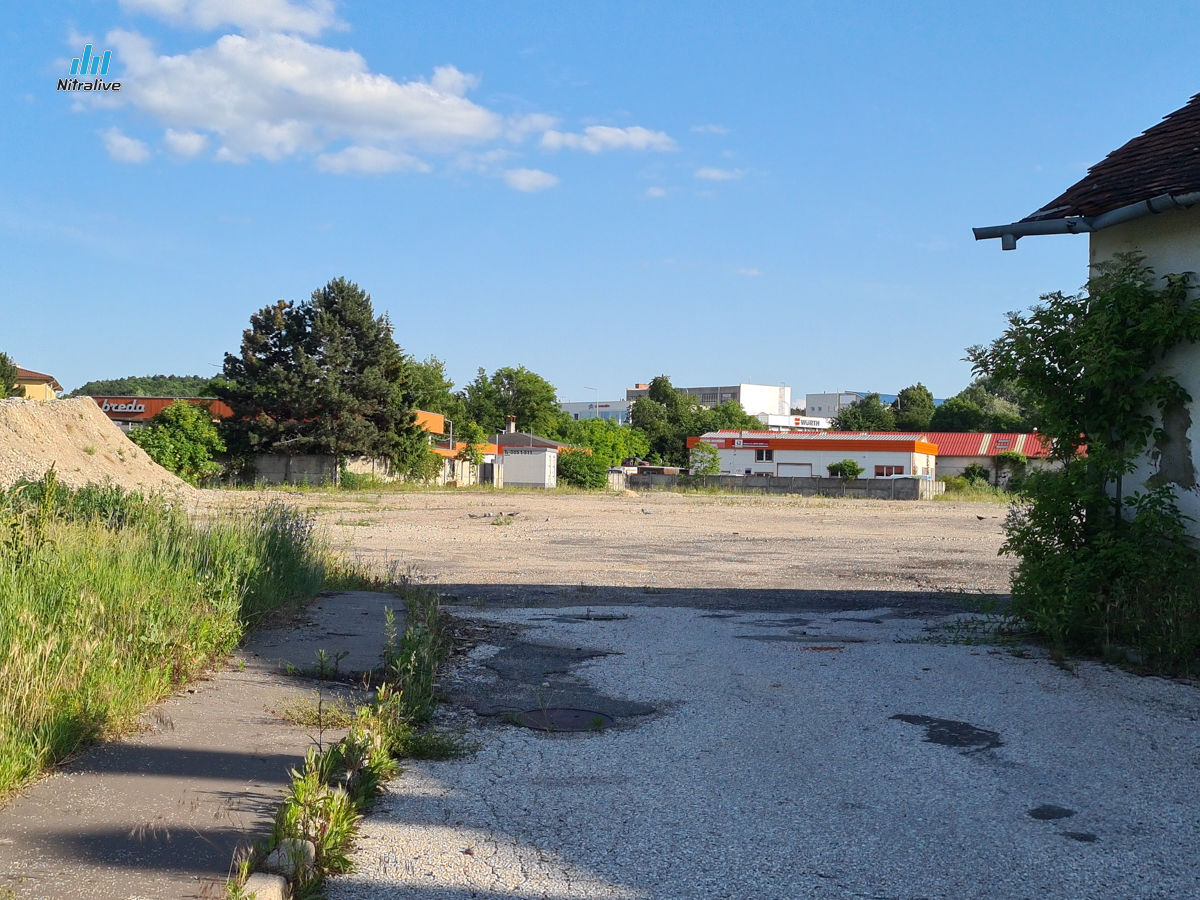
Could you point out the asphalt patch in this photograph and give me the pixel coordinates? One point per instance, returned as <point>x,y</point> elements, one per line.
<point>1049,812</point>
<point>524,676</point>
<point>1084,837</point>
<point>951,733</point>
<point>802,638</point>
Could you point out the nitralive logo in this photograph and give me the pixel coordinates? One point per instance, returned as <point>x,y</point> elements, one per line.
<point>98,65</point>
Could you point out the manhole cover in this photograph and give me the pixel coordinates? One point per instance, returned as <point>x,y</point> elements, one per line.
<point>557,718</point>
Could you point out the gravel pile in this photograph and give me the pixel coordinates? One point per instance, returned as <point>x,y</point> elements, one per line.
<point>80,441</point>
<point>842,755</point>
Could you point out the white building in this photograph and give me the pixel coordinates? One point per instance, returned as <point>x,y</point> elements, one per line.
<point>1145,197</point>
<point>794,423</point>
<point>616,410</point>
<point>767,399</point>
<point>829,405</point>
<point>533,467</point>
<point>800,454</point>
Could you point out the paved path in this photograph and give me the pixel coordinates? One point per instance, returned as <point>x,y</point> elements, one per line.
<point>159,815</point>
<point>826,755</point>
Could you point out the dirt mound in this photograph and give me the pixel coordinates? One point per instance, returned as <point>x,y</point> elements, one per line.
<point>80,441</point>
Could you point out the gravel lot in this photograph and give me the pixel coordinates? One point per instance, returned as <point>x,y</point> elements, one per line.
<point>663,542</point>
<point>775,767</point>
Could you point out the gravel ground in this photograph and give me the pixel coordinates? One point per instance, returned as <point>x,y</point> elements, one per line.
<point>663,542</point>
<point>775,767</point>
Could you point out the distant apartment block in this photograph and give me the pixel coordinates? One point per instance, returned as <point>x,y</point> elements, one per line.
<point>756,399</point>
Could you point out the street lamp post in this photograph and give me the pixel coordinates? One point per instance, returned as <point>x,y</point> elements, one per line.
<point>596,407</point>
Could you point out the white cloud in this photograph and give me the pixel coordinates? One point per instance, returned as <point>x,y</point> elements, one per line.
<point>520,127</point>
<point>277,95</point>
<point>749,273</point>
<point>185,143</point>
<point>530,180</point>
<point>311,17</point>
<point>369,161</point>
<point>710,174</point>
<point>656,192</point>
<point>598,138</point>
<point>710,129</point>
<point>123,148</point>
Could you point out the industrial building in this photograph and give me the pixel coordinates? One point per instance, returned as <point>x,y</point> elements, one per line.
<point>958,450</point>
<point>829,405</point>
<point>755,399</point>
<point>794,423</point>
<point>129,413</point>
<point>614,410</point>
<point>799,454</point>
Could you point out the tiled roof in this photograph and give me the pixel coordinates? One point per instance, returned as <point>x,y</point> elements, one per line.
<point>30,375</point>
<point>969,443</point>
<point>1164,159</point>
<point>822,435</point>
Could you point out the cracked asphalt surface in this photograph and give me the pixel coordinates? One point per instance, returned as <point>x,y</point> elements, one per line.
<point>823,754</point>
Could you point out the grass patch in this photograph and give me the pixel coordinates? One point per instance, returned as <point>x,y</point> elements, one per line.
<point>111,599</point>
<point>319,713</point>
<point>959,488</point>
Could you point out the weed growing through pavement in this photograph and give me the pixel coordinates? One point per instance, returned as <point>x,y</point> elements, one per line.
<point>337,784</point>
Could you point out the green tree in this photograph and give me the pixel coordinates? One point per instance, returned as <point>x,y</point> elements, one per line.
<point>866,414</point>
<point>322,376</point>
<point>609,442</point>
<point>704,459</point>
<point>8,378</point>
<point>958,414</point>
<point>182,439</point>
<point>668,417</point>
<point>847,470</point>
<point>1096,566</point>
<point>148,386</point>
<point>913,408</point>
<point>474,440</point>
<point>512,392</point>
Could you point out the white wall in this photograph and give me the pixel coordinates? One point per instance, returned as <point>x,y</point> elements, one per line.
<point>774,400</point>
<point>1171,243</point>
<point>735,461</point>
<point>530,467</point>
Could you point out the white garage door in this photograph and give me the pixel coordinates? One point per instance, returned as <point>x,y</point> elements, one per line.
<point>795,470</point>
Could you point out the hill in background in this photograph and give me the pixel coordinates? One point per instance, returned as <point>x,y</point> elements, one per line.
<point>147,386</point>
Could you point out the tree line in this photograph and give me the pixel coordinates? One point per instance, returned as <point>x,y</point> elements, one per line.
<point>989,403</point>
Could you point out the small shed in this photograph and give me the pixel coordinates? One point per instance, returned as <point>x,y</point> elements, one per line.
<point>533,467</point>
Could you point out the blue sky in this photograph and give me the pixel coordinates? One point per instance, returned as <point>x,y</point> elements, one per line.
<point>603,192</point>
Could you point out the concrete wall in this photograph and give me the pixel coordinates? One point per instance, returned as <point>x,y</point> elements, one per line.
<point>878,488</point>
<point>1171,243</point>
<point>279,468</point>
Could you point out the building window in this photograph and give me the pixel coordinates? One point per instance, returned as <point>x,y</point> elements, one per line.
<point>885,471</point>
<point>764,455</point>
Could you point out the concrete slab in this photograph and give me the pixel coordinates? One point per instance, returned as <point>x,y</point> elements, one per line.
<point>159,815</point>
<point>351,622</point>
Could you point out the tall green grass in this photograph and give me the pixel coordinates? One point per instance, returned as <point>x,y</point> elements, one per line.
<point>108,599</point>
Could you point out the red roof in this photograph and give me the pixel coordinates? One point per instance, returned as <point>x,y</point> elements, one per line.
<point>30,375</point>
<point>972,443</point>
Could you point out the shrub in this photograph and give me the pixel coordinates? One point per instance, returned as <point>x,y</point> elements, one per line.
<point>847,470</point>
<point>182,439</point>
<point>582,469</point>
<point>976,474</point>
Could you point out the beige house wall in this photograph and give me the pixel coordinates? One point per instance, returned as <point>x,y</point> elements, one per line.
<point>1171,244</point>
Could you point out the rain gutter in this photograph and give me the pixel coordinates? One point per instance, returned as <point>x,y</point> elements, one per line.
<point>1010,234</point>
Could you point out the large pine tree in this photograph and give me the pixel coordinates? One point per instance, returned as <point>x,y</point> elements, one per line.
<point>322,376</point>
